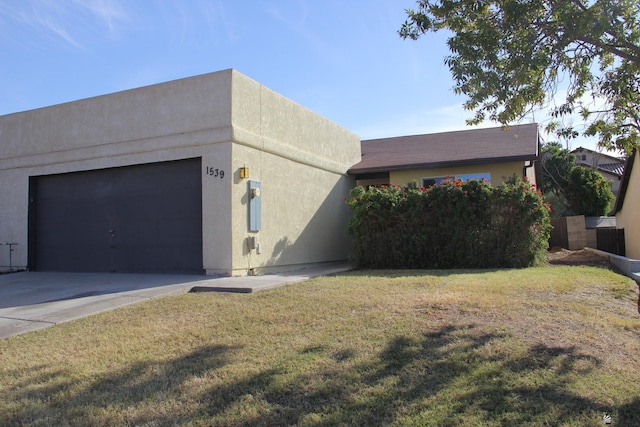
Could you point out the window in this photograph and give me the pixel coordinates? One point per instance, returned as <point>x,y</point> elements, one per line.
<point>435,180</point>
<point>478,176</point>
<point>428,182</point>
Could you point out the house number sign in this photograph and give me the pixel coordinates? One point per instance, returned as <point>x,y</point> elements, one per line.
<point>214,172</point>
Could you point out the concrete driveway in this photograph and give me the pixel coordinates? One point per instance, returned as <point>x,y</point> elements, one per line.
<point>35,300</point>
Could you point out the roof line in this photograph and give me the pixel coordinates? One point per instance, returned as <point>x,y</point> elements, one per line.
<point>433,165</point>
<point>504,128</point>
<point>600,168</point>
<point>625,182</point>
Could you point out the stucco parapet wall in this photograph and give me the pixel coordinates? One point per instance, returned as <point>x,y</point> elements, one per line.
<point>164,109</point>
<point>272,146</point>
<point>267,121</point>
<point>179,114</point>
<point>122,148</point>
<point>224,106</point>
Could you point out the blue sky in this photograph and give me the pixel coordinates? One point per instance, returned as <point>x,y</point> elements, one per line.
<point>342,59</point>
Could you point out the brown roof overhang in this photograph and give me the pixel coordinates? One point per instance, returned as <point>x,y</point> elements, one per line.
<point>458,148</point>
<point>433,165</point>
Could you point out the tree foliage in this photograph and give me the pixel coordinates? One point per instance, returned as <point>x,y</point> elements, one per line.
<point>572,189</point>
<point>589,192</point>
<point>512,56</point>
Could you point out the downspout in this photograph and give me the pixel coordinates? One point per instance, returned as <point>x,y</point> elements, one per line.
<point>524,169</point>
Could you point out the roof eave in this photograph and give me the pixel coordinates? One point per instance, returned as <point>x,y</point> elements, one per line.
<point>622,192</point>
<point>434,165</point>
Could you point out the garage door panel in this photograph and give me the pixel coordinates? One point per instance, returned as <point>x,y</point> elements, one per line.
<point>141,179</point>
<point>174,258</point>
<point>170,230</point>
<point>66,210</point>
<point>66,235</point>
<point>127,219</point>
<point>136,234</point>
<point>158,233</point>
<point>76,259</point>
<point>154,259</point>
<point>165,205</point>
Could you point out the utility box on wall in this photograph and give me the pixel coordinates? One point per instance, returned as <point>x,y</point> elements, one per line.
<point>254,205</point>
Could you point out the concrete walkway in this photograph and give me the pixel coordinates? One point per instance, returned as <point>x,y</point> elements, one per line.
<point>35,300</point>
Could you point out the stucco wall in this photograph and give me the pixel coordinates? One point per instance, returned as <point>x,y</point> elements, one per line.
<point>304,217</point>
<point>629,217</point>
<point>498,172</point>
<point>301,160</point>
<point>226,119</point>
<point>137,120</point>
<point>269,122</point>
<point>170,121</point>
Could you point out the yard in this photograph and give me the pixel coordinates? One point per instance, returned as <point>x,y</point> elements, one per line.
<point>554,345</point>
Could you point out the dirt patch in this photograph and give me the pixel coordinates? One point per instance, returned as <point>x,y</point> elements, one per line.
<point>560,256</point>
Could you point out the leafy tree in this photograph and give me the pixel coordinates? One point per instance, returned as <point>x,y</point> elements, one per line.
<point>589,192</point>
<point>512,56</point>
<point>556,163</point>
<point>571,189</point>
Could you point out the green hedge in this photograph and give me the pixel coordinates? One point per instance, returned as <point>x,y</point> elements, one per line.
<point>451,225</point>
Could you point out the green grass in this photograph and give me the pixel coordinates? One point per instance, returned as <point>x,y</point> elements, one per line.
<point>540,346</point>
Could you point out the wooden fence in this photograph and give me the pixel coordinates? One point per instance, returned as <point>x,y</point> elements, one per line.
<point>559,236</point>
<point>611,240</point>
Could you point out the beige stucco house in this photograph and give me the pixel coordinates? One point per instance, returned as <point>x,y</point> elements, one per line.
<point>627,208</point>
<point>214,173</point>
<point>493,154</point>
<point>611,168</point>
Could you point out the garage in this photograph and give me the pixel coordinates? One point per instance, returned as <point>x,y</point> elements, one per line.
<point>133,219</point>
<point>160,179</point>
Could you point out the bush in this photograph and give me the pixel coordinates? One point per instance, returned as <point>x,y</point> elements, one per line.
<point>451,225</point>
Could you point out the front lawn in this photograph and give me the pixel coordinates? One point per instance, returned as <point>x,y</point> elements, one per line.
<point>539,346</point>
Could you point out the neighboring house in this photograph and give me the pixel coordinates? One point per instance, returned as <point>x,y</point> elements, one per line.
<point>611,168</point>
<point>493,154</point>
<point>627,208</point>
<point>211,174</point>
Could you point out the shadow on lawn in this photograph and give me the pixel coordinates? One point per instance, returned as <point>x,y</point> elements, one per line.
<point>451,375</point>
<point>60,402</point>
<point>440,380</point>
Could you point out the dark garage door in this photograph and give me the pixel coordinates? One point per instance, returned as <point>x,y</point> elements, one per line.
<point>135,219</point>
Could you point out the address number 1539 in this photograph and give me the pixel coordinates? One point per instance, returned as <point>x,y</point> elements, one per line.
<point>214,172</point>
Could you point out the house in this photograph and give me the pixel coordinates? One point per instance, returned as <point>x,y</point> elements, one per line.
<point>611,168</point>
<point>492,154</point>
<point>211,174</point>
<point>627,207</point>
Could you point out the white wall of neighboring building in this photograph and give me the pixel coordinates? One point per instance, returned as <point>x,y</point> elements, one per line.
<point>629,216</point>
<point>596,160</point>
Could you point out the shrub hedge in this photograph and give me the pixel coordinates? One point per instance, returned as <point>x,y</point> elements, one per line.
<point>451,225</point>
